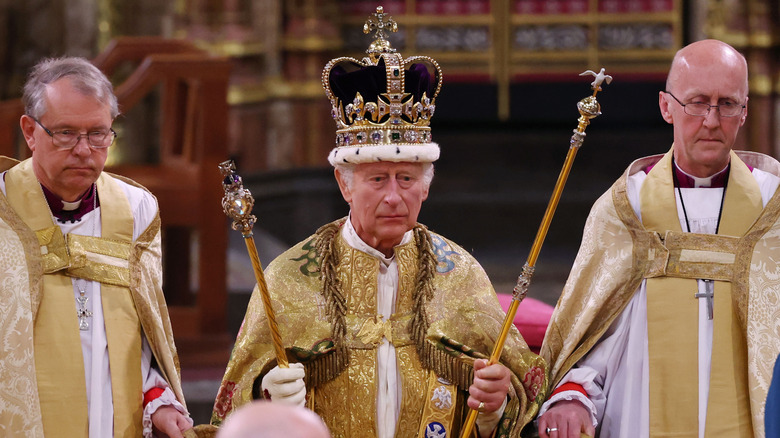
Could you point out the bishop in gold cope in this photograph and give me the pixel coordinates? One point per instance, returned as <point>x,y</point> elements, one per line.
<point>667,325</point>
<point>87,347</point>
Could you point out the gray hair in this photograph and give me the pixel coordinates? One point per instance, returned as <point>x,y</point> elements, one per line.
<point>347,171</point>
<point>86,78</point>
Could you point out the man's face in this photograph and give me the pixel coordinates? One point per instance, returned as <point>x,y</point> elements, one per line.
<point>67,172</point>
<point>385,199</point>
<point>702,144</point>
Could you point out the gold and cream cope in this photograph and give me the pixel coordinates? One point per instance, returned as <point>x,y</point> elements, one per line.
<point>396,125</point>
<point>46,328</point>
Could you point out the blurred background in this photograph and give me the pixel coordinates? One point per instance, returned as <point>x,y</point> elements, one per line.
<point>202,81</point>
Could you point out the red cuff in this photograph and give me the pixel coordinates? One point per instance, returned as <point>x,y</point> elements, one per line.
<point>152,394</point>
<point>570,386</point>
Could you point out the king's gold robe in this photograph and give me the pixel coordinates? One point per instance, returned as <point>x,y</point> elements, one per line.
<point>619,251</point>
<point>30,259</point>
<point>464,318</point>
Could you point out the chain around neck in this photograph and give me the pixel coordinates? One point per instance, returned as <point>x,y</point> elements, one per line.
<point>682,201</point>
<point>81,284</point>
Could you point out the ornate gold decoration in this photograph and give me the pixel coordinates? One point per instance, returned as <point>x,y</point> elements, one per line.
<point>238,201</point>
<point>237,204</point>
<point>377,23</point>
<point>396,117</point>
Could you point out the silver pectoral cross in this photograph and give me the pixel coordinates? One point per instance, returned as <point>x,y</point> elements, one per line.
<point>709,294</point>
<point>82,311</point>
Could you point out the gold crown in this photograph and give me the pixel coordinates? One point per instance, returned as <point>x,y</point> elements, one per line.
<point>383,104</point>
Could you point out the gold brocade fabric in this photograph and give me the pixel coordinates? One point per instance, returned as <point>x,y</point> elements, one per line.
<point>440,414</point>
<point>22,286</point>
<point>59,363</point>
<point>354,413</point>
<point>464,319</point>
<point>615,241</point>
<point>19,403</point>
<point>673,314</point>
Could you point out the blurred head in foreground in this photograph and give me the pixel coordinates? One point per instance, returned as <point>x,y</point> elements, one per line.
<point>264,419</point>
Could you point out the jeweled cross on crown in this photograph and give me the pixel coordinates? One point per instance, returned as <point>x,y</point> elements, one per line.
<point>377,23</point>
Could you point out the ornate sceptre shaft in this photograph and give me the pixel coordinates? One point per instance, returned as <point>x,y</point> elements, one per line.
<point>237,205</point>
<point>589,108</point>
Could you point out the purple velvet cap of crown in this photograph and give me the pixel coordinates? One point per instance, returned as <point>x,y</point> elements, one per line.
<point>348,78</point>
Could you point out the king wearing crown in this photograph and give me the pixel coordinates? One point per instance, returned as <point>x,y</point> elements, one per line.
<point>387,326</point>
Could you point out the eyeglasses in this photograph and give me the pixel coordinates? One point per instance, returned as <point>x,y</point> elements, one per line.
<point>726,109</point>
<point>68,138</point>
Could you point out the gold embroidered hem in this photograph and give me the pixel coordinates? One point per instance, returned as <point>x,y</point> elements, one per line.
<point>335,334</point>
<point>615,237</point>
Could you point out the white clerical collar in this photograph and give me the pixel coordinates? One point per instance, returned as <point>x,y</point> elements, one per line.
<point>701,182</point>
<point>353,240</point>
<point>68,206</point>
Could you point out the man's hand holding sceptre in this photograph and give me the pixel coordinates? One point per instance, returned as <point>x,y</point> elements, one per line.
<point>284,383</point>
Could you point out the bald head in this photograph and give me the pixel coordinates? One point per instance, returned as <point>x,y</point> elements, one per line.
<point>713,75</point>
<point>263,419</point>
<point>708,55</point>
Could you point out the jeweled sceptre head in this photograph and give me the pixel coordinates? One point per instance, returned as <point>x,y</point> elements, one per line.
<point>238,201</point>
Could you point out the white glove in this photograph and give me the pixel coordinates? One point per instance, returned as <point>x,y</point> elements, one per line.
<point>285,385</point>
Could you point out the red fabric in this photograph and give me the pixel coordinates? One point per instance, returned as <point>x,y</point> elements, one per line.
<point>152,394</point>
<point>570,386</point>
<point>531,319</point>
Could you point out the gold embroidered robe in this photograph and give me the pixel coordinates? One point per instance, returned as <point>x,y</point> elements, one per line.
<point>21,291</point>
<point>464,319</point>
<point>616,243</point>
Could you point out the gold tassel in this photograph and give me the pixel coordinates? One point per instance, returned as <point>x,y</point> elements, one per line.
<point>326,368</point>
<point>443,364</point>
<point>448,366</point>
